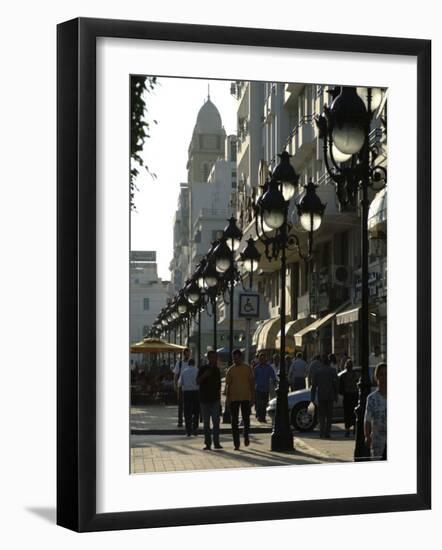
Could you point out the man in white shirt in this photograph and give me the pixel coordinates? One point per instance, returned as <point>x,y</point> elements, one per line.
<point>179,366</point>
<point>298,372</point>
<point>190,390</point>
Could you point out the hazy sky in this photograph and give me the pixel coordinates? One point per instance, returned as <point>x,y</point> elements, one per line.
<point>174,103</point>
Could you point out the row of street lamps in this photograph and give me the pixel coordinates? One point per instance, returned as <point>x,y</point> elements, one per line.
<point>349,160</point>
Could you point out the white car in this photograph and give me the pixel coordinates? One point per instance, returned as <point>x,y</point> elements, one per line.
<point>299,401</point>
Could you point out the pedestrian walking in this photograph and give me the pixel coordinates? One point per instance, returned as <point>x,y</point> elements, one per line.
<point>325,387</point>
<point>240,394</point>
<point>191,403</point>
<point>264,376</point>
<point>332,361</point>
<point>209,380</point>
<point>276,363</point>
<point>315,364</point>
<point>179,366</point>
<point>348,388</point>
<point>298,372</point>
<point>375,419</point>
<point>273,383</point>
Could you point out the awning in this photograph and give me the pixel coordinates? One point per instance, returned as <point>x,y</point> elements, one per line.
<point>317,325</point>
<point>291,329</point>
<point>377,214</point>
<point>265,335</point>
<point>348,316</point>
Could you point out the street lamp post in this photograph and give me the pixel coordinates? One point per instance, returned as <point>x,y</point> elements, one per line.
<point>274,231</point>
<point>345,131</point>
<point>224,255</point>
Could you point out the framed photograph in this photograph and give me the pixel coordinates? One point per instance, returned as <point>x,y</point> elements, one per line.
<point>205,172</point>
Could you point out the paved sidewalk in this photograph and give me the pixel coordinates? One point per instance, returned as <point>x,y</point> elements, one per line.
<point>178,453</point>
<point>162,420</point>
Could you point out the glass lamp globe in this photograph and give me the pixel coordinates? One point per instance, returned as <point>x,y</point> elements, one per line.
<point>288,190</point>
<point>310,222</point>
<point>233,244</point>
<point>200,282</point>
<point>348,138</point>
<point>273,218</point>
<point>338,155</point>
<point>182,308</point>
<point>210,281</point>
<point>250,265</point>
<point>193,297</point>
<point>376,97</point>
<point>222,264</point>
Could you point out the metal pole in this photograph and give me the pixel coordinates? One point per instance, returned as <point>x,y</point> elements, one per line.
<point>361,451</point>
<point>232,289</point>
<point>198,342</point>
<point>226,415</point>
<point>188,331</point>
<point>168,353</point>
<point>248,340</point>
<point>174,341</point>
<point>282,438</point>
<point>214,323</point>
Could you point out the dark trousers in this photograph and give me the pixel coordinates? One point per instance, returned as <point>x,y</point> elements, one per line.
<point>180,406</point>
<point>209,411</point>
<point>262,399</point>
<point>350,401</point>
<point>325,413</point>
<point>191,405</point>
<point>245,413</point>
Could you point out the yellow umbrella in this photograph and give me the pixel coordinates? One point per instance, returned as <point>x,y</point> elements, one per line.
<point>155,345</point>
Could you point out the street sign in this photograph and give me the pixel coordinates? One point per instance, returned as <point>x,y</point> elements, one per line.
<point>248,305</point>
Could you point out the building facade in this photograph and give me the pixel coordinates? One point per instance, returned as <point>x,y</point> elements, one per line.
<point>323,296</point>
<point>148,294</point>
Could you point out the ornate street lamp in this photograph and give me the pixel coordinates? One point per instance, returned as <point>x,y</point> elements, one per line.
<point>345,128</point>
<point>224,255</point>
<point>232,235</point>
<point>192,292</point>
<point>274,231</point>
<point>250,259</point>
<point>182,303</point>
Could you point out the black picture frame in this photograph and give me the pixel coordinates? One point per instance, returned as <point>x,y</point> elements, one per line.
<point>76,273</point>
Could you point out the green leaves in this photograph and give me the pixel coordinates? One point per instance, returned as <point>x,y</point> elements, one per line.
<point>139,127</point>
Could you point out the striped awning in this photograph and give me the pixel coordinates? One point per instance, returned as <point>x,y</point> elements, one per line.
<point>348,316</point>
<point>317,325</point>
<point>377,214</point>
<point>291,328</point>
<point>265,335</point>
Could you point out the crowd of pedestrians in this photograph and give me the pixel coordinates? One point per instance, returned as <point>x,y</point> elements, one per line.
<point>199,395</point>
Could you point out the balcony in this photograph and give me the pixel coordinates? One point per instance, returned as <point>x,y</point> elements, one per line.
<point>291,93</point>
<point>302,140</point>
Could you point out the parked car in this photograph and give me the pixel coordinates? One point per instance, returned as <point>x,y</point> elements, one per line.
<point>299,401</point>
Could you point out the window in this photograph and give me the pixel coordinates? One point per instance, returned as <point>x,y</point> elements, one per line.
<point>146,304</point>
<point>233,151</point>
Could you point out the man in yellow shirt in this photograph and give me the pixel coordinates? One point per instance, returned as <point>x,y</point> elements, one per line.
<point>240,394</point>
